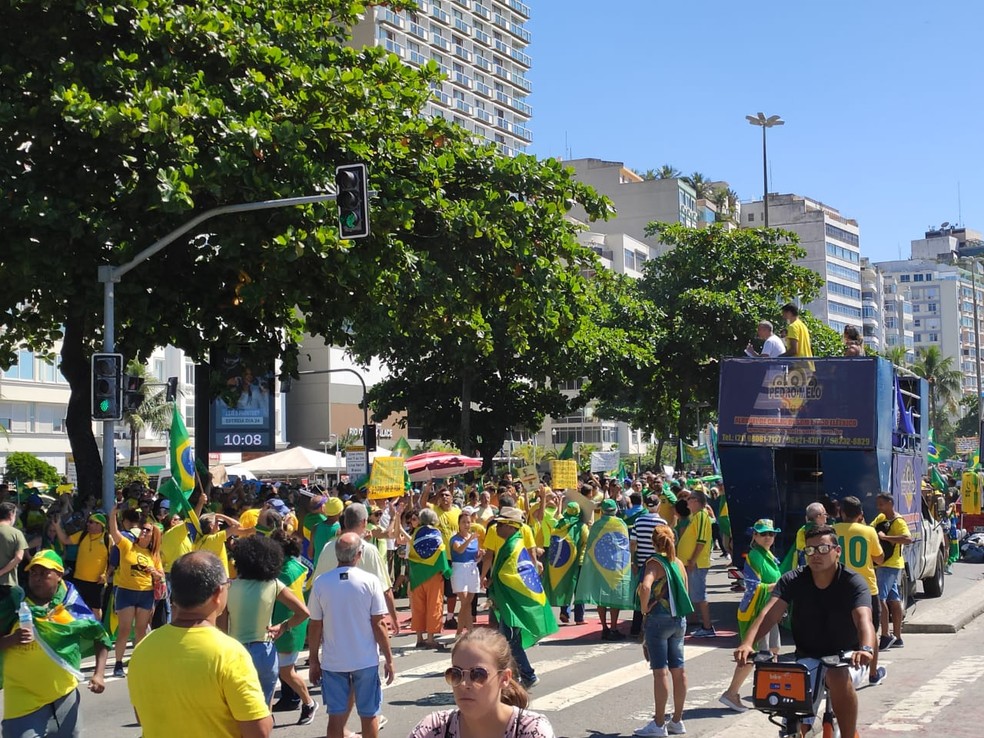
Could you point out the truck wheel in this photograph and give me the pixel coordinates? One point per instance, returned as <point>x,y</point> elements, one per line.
<point>933,587</point>
<point>907,586</point>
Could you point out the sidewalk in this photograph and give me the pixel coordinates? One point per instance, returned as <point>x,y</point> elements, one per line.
<point>962,601</point>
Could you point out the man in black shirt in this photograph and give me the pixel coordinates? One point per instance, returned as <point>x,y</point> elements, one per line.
<point>831,613</point>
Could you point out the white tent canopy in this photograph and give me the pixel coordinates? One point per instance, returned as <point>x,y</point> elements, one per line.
<point>294,462</point>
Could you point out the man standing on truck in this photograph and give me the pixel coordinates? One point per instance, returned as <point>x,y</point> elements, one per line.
<point>893,532</point>
<point>797,335</point>
<point>861,553</point>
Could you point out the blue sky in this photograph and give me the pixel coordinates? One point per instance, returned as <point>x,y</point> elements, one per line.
<point>882,100</point>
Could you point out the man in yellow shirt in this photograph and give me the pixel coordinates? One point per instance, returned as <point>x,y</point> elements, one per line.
<point>209,687</point>
<point>861,552</point>
<point>694,550</point>
<point>40,690</point>
<point>893,532</point>
<point>797,335</point>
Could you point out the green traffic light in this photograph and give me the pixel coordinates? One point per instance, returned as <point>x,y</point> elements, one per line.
<point>351,220</point>
<point>104,406</point>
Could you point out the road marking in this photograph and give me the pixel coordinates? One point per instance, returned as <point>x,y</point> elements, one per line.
<point>923,706</point>
<point>585,690</point>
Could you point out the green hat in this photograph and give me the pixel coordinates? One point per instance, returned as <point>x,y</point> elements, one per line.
<point>609,506</point>
<point>572,508</point>
<point>48,559</point>
<point>764,525</point>
<point>99,518</point>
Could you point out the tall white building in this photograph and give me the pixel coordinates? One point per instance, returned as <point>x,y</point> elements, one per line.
<point>833,250</point>
<point>480,46</point>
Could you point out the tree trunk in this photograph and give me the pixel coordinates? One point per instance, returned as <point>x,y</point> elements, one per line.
<point>659,454</point>
<point>133,445</point>
<point>78,421</point>
<point>464,437</point>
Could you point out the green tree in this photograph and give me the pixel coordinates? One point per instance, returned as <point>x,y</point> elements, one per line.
<point>24,467</point>
<point>700,183</point>
<point>824,340</point>
<point>496,309</point>
<point>121,121</point>
<point>699,301</point>
<point>667,171</point>
<point>945,383</point>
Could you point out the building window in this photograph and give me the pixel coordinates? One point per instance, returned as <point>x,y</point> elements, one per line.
<point>917,278</point>
<point>159,369</point>
<point>189,414</point>
<point>751,217</point>
<point>904,278</point>
<point>841,235</point>
<point>189,377</point>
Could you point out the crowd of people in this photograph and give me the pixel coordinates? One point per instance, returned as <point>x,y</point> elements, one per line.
<point>230,592</point>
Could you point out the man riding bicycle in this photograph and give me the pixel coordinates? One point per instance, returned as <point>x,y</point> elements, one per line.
<point>831,614</point>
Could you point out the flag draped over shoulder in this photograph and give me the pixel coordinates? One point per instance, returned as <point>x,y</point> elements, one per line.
<point>65,628</point>
<point>678,600</point>
<point>518,594</point>
<point>427,556</point>
<point>563,562</point>
<point>606,576</point>
<point>761,570</point>
<point>294,574</point>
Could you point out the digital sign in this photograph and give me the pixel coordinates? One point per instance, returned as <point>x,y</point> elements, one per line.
<point>243,415</point>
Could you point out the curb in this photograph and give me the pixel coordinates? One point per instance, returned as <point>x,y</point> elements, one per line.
<point>947,615</point>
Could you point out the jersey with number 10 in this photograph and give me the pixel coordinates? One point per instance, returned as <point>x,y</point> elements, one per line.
<point>859,542</point>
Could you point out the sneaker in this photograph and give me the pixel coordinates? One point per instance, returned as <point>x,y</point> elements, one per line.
<point>878,676</point>
<point>307,713</point>
<point>675,728</point>
<point>731,704</point>
<point>705,633</point>
<point>885,642</point>
<point>451,624</point>
<point>285,705</point>
<point>528,684</point>
<point>897,643</point>
<point>651,728</point>
<point>118,670</point>
<point>565,618</point>
<point>381,722</point>
<point>616,635</point>
<point>606,635</point>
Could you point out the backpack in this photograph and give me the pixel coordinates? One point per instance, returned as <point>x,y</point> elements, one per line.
<point>884,527</point>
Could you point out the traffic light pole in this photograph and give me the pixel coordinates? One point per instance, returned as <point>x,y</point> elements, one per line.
<point>110,275</point>
<point>365,403</point>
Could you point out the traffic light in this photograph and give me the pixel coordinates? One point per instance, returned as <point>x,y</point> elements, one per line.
<point>171,393</point>
<point>369,436</point>
<point>107,386</point>
<point>133,395</point>
<point>352,198</point>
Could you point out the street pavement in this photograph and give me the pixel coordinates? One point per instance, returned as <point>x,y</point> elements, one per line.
<point>600,689</point>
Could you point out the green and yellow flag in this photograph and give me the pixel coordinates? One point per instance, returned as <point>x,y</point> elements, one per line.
<point>402,449</point>
<point>560,577</point>
<point>568,451</point>
<point>427,556</point>
<point>293,574</point>
<point>518,593</point>
<point>182,460</point>
<point>606,576</point>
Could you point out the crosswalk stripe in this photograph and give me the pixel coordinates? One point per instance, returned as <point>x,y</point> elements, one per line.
<point>922,706</point>
<point>572,695</point>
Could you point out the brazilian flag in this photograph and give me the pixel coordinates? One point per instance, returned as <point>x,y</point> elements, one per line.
<point>427,556</point>
<point>182,465</point>
<point>518,594</point>
<point>606,576</point>
<point>563,561</point>
<point>293,574</point>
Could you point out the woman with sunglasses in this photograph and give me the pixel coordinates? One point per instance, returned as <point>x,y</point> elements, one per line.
<point>490,701</point>
<point>761,574</point>
<point>140,566</point>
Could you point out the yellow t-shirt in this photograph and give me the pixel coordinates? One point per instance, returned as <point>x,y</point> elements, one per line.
<point>249,519</point>
<point>215,542</point>
<point>93,556</point>
<point>859,543</point>
<point>175,543</point>
<point>898,528</point>
<point>479,530</point>
<point>31,679</point>
<point>493,542</point>
<point>666,510</point>
<point>447,521</point>
<point>697,531</point>
<point>797,331</point>
<point>135,566</point>
<point>193,682</point>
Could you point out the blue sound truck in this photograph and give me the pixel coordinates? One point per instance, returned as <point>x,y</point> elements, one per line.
<point>793,431</point>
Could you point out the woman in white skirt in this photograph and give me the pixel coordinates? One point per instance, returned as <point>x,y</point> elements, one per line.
<point>465,576</point>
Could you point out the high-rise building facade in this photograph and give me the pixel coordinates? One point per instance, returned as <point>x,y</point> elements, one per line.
<point>480,46</point>
<point>833,250</point>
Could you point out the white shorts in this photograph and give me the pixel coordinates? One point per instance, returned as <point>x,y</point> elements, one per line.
<point>465,578</point>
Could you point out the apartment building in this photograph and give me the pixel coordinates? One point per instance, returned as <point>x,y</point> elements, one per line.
<point>480,46</point>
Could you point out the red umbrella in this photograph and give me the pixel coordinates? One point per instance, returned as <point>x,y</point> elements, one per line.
<point>436,464</point>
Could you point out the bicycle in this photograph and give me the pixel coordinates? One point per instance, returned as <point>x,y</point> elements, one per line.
<point>784,693</point>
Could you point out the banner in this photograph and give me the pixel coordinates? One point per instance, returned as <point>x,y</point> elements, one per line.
<point>563,474</point>
<point>530,478</point>
<point>798,403</point>
<point>696,455</point>
<point>967,445</point>
<point>604,461</point>
<point>387,477</point>
<point>357,461</point>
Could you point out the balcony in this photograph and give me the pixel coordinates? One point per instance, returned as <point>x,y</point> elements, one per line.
<point>522,107</point>
<point>443,98</point>
<point>501,46</point>
<point>483,115</point>
<point>521,8</point>
<point>389,17</point>
<point>464,107</point>
<point>502,124</point>
<point>502,97</point>
<point>518,56</point>
<point>441,42</point>
<point>462,3</point>
<point>520,81</point>
<point>483,89</point>
<point>482,63</point>
<point>515,30</point>
<point>461,79</point>
<point>418,30</point>
<point>462,26</point>
<point>394,48</point>
<point>482,12</point>
<point>415,57</point>
<point>483,38</point>
<point>440,15</point>
<point>462,53</point>
<point>522,132</point>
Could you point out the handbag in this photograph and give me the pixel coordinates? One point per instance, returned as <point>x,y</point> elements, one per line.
<point>160,589</point>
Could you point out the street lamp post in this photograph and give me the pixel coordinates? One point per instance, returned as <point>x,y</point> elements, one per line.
<point>761,120</point>
<point>110,275</point>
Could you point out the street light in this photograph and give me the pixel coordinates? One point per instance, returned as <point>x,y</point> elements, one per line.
<point>761,120</point>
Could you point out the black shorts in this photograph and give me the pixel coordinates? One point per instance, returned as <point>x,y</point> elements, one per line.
<point>876,613</point>
<point>91,593</point>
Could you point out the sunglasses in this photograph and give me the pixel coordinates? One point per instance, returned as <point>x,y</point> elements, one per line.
<point>477,675</point>
<point>146,530</point>
<point>823,548</point>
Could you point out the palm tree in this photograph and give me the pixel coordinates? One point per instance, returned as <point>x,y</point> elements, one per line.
<point>154,412</point>
<point>944,381</point>
<point>700,183</point>
<point>897,355</point>
<point>733,199</point>
<point>650,174</point>
<point>667,171</point>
